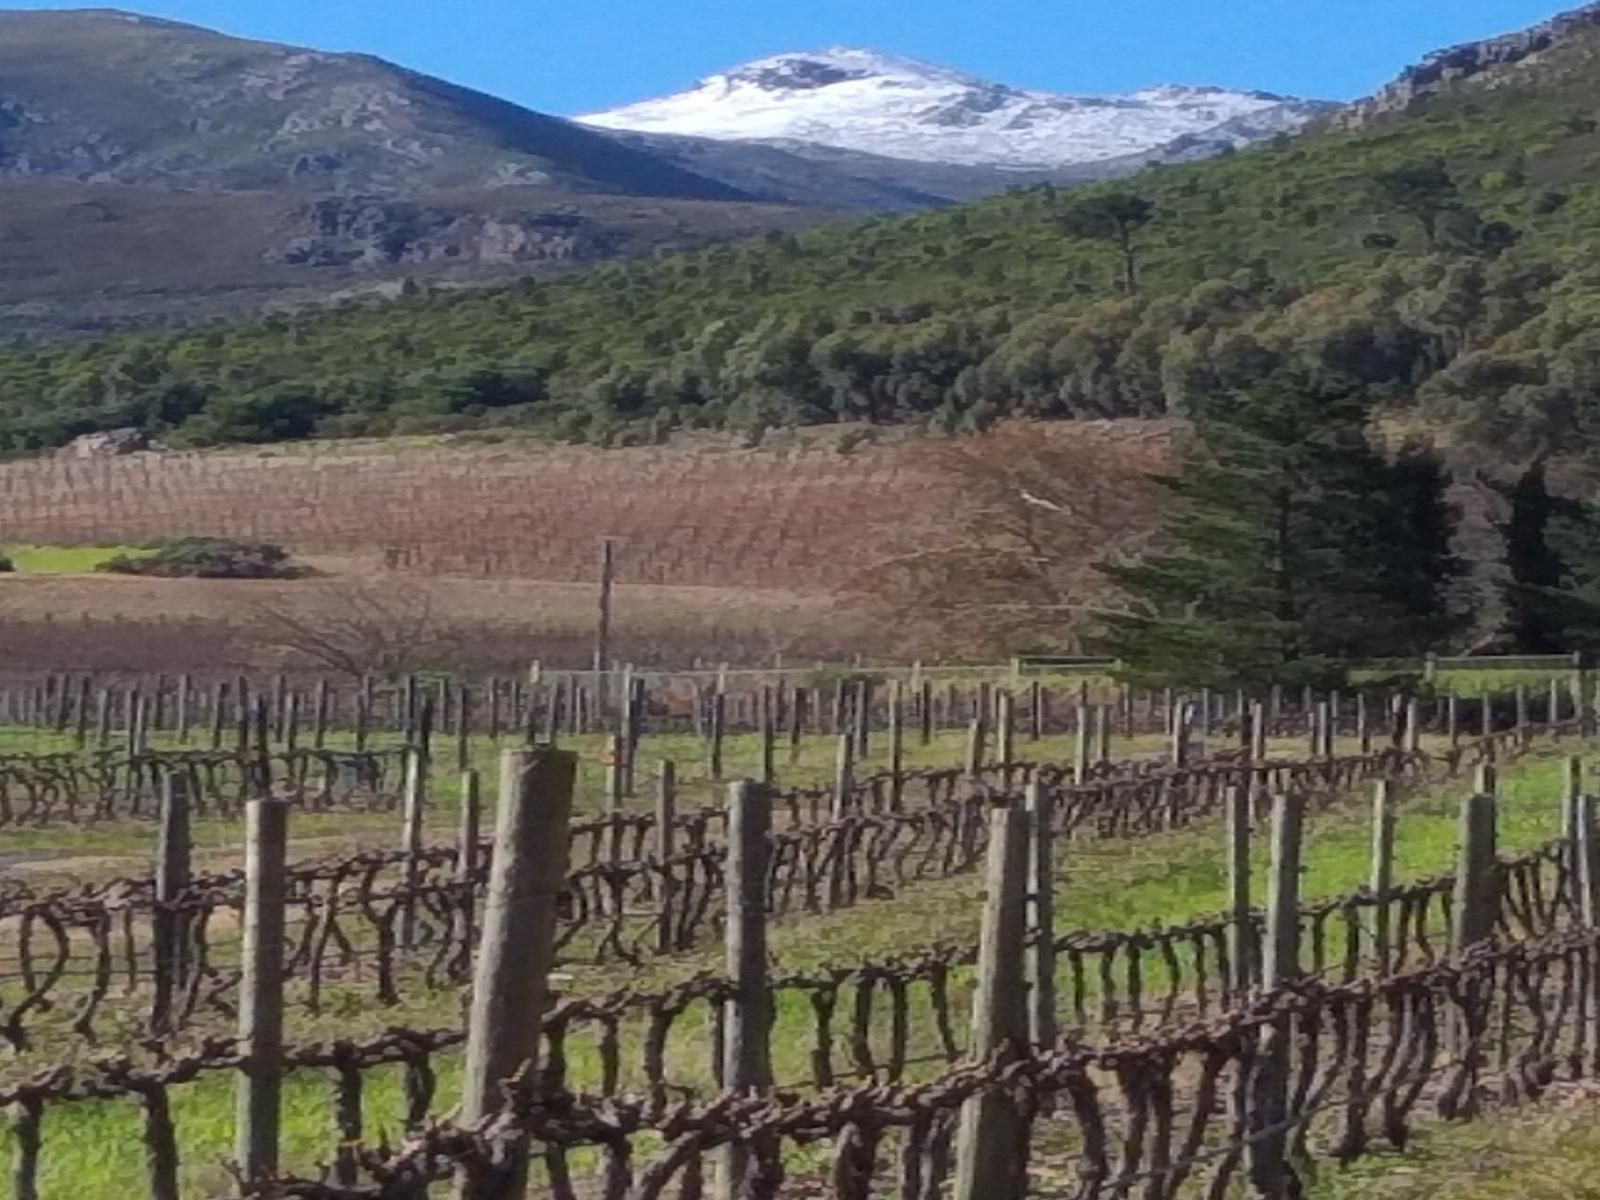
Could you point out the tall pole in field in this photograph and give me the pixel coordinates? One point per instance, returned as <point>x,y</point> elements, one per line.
<point>602,630</point>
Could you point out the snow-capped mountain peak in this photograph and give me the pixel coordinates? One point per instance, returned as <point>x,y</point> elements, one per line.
<point>886,105</point>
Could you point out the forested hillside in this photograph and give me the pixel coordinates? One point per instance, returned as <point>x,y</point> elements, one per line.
<point>1444,256</point>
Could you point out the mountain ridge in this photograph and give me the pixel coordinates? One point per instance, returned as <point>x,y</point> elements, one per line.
<point>893,106</point>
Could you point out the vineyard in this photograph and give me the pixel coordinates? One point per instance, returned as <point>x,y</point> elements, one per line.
<point>913,936</point>
<point>722,554</point>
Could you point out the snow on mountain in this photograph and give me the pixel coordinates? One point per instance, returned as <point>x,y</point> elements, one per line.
<point>902,108</point>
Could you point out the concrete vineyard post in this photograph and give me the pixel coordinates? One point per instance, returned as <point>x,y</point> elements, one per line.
<point>747,1019</point>
<point>1382,879</point>
<point>259,1091</point>
<point>1005,733</point>
<point>992,1141</point>
<point>169,931</point>
<point>843,775</point>
<point>511,988</point>
<point>415,805</point>
<point>976,736</point>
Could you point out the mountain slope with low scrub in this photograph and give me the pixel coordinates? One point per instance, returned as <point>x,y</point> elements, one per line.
<point>1441,256</point>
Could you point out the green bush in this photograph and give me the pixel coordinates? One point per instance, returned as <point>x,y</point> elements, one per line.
<point>208,558</point>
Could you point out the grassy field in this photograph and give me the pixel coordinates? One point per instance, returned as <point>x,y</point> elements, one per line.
<point>92,1149</point>
<point>64,560</point>
<point>1548,1151</point>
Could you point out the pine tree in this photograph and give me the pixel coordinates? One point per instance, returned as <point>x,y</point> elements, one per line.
<point>1552,561</point>
<point>1293,547</point>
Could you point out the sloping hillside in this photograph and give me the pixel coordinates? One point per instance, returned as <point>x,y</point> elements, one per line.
<point>111,97</point>
<point>1441,253</point>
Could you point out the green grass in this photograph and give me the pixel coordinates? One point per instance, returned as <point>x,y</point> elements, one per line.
<point>1546,1151</point>
<point>65,560</point>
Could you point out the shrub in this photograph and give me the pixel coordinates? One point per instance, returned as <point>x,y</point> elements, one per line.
<point>208,558</point>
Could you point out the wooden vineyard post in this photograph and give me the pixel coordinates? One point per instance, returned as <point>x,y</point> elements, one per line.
<point>602,624</point>
<point>861,715</point>
<point>1571,798</point>
<point>1382,881</point>
<point>185,687</point>
<point>616,783</point>
<point>666,847</point>
<point>259,1093</point>
<point>1486,715</point>
<point>1080,748</point>
<point>897,747</point>
<point>1102,716</point>
<point>1269,1111</point>
<point>843,775</point>
<point>992,1142</point>
<point>797,723</point>
<point>511,985</point>
<point>1586,844</point>
<point>1241,917</point>
<point>747,1019</point>
<point>172,880</point>
<point>1363,724</point>
<point>925,712</point>
<point>1477,893</point>
<point>768,733</point>
<point>467,835</point>
<point>1281,957</point>
<point>324,711</point>
<point>80,715</point>
<point>1258,732</point>
<point>1584,683</point>
<point>714,740</point>
<point>1042,1029</point>
<point>1035,711</point>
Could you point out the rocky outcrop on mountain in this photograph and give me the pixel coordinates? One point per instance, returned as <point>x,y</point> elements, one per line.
<point>1446,67</point>
<point>373,231</point>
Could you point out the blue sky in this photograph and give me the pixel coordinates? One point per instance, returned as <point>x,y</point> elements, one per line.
<point>570,56</point>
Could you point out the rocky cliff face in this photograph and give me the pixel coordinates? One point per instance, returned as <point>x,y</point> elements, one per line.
<point>1446,67</point>
<point>369,231</point>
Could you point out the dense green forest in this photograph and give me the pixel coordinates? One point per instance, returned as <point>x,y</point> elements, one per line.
<point>1446,259</point>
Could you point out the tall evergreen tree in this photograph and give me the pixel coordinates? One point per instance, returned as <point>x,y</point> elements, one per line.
<point>1552,561</point>
<point>1293,546</point>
